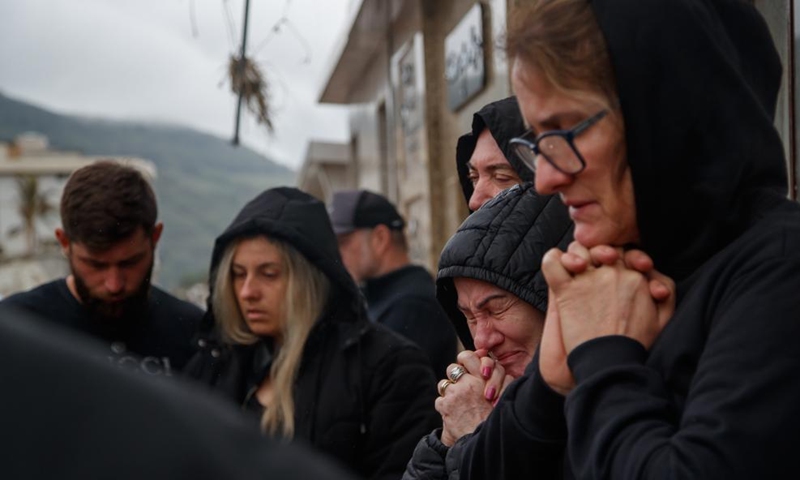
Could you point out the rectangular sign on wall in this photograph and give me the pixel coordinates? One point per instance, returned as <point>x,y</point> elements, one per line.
<point>464,58</point>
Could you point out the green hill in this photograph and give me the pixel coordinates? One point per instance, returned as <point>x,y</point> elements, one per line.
<point>202,180</point>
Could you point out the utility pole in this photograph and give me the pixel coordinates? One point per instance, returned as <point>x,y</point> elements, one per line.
<point>241,73</point>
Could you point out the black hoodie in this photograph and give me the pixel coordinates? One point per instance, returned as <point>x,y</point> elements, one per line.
<point>717,395</point>
<point>363,394</point>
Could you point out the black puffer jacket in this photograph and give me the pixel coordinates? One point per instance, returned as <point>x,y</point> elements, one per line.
<point>502,244</point>
<point>717,395</point>
<point>504,121</point>
<point>363,394</point>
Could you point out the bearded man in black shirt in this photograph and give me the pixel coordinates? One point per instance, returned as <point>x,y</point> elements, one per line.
<point>109,234</point>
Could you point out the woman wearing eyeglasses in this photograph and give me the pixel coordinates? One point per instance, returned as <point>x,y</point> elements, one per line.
<point>653,121</point>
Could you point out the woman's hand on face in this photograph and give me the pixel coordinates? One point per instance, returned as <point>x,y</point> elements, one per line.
<point>481,365</point>
<point>608,299</point>
<point>469,400</point>
<point>462,407</point>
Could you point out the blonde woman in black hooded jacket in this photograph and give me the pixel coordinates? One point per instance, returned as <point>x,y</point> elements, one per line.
<point>288,340</point>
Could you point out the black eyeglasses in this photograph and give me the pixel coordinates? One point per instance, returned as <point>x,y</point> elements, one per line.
<point>556,146</point>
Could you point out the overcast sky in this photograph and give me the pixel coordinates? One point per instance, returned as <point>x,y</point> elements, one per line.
<point>141,60</point>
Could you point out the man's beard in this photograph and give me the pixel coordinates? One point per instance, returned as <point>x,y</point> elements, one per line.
<point>126,311</point>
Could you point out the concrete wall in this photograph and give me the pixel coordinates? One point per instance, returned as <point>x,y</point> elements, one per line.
<point>327,168</point>
<point>366,148</point>
<point>777,15</point>
<point>794,67</point>
<point>12,239</point>
<point>372,109</point>
<point>445,126</point>
<point>425,187</point>
<point>322,180</point>
<point>22,274</point>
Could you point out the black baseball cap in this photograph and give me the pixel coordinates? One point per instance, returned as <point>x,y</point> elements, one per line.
<point>353,209</point>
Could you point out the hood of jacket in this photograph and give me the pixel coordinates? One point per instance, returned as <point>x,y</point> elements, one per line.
<point>503,243</point>
<point>698,107</point>
<point>504,121</point>
<point>302,221</point>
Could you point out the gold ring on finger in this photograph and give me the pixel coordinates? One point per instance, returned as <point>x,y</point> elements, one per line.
<point>443,386</point>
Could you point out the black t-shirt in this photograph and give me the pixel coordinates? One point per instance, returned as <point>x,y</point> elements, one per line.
<point>158,343</point>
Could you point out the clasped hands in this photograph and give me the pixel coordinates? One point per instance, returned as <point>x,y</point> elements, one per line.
<point>467,401</point>
<point>598,292</point>
<point>593,293</point>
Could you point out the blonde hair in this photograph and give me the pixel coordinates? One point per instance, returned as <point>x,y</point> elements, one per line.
<point>307,293</point>
<point>563,40</point>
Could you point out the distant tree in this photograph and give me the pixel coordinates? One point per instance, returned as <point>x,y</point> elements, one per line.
<point>32,206</point>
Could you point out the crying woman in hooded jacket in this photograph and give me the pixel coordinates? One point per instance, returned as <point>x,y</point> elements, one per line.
<point>288,340</point>
<point>490,286</point>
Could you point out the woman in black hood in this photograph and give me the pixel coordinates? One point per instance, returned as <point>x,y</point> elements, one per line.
<point>487,164</point>
<point>292,344</point>
<point>488,284</point>
<point>653,120</point>
<point>484,161</point>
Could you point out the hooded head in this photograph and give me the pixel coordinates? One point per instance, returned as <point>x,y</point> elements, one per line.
<point>693,85</point>
<point>300,221</point>
<point>278,284</point>
<point>502,121</point>
<point>502,244</point>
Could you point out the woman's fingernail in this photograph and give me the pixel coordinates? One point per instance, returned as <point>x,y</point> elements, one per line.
<point>490,393</point>
<point>486,372</point>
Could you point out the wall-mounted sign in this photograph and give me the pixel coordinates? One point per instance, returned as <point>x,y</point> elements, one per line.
<point>409,68</point>
<point>464,58</point>
<point>411,133</point>
<point>411,114</point>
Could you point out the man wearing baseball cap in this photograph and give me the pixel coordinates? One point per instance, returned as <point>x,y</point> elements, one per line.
<point>400,295</point>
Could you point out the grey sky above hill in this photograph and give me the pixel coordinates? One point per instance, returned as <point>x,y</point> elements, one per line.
<point>140,60</point>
